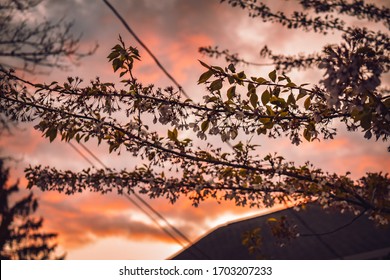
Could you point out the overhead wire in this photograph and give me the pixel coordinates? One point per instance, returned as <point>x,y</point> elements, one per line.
<point>127,196</point>
<point>181,89</point>
<point>158,63</point>
<point>330,248</point>
<point>145,47</point>
<point>172,227</point>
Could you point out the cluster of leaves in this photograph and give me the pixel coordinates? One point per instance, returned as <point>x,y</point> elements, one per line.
<point>305,21</point>
<point>355,8</point>
<point>253,240</point>
<point>271,107</point>
<point>353,69</point>
<point>235,105</point>
<point>352,78</point>
<point>284,63</point>
<point>282,232</point>
<point>28,44</point>
<point>21,237</point>
<point>74,112</point>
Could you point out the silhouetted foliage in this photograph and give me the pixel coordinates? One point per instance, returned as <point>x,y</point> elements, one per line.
<point>43,43</point>
<point>234,105</point>
<point>21,235</point>
<point>27,43</point>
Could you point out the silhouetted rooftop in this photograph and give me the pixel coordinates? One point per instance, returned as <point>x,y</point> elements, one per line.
<point>360,240</point>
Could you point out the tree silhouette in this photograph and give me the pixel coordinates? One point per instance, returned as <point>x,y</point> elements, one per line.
<point>21,235</point>
<point>44,43</point>
<point>127,117</point>
<point>27,45</point>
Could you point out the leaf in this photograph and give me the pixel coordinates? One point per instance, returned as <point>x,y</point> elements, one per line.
<point>219,69</point>
<point>302,93</point>
<point>232,68</point>
<point>113,146</point>
<point>113,55</point>
<point>307,134</point>
<point>279,102</point>
<point>365,121</point>
<point>239,146</point>
<point>233,134</point>
<point>287,78</point>
<point>172,136</point>
<point>52,134</point>
<point>261,130</point>
<point>254,99</point>
<point>241,75</point>
<point>265,97</point>
<point>117,47</point>
<point>291,85</point>
<point>216,85</point>
<point>270,112</point>
<point>276,91</point>
<point>205,125</point>
<point>151,155</point>
<point>205,76</point>
<point>264,120</point>
<point>368,134</point>
<point>231,92</point>
<point>272,220</point>
<point>269,125</point>
<point>261,80</point>
<point>204,64</point>
<point>307,103</point>
<point>291,99</point>
<point>272,75</point>
<point>116,64</point>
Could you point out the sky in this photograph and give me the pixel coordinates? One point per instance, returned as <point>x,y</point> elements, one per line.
<point>94,226</point>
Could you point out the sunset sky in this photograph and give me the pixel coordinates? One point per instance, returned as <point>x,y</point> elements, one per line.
<point>93,226</point>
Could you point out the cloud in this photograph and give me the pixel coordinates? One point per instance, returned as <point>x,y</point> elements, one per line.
<point>83,219</point>
<point>79,223</point>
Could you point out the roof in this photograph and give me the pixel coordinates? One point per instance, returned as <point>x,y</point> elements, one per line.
<point>361,239</point>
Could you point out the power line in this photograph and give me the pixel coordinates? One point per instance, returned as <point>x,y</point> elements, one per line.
<point>128,197</point>
<point>128,28</point>
<point>123,21</point>
<point>155,221</point>
<point>319,237</point>
<point>145,47</point>
<point>142,200</point>
<point>172,227</point>
<point>81,154</point>
<point>178,232</point>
